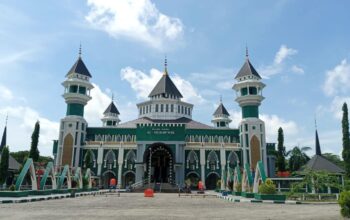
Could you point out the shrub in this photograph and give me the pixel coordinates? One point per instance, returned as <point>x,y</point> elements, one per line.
<point>268,187</point>
<point>344,202</point>
<point>218,184</point>
<point>12,188</point>
<point>238,187</point>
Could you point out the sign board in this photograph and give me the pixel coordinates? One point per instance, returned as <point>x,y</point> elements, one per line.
<point>163,132</point>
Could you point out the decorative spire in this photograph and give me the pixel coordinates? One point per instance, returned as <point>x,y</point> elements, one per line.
<point>318,147</point>
<point>220,99</point>
<point>7,117</point>
<point>246,52</point>
<point>165,66</point>
<point>80,50</point>
<point>3,140</point>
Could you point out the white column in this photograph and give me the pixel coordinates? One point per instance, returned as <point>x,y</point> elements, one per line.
<point>120,164</point>
<point>202,163</point>
<point>99,160</point>
<point>223,166</point>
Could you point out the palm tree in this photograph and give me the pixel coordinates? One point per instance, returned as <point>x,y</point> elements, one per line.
<point>298,157</point>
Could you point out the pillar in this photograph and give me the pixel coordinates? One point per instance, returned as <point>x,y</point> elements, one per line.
<point>99,163</point>
<point>140,170</point>
<point>120,165</point>
<point>202,163</point>
<point>223,167</point>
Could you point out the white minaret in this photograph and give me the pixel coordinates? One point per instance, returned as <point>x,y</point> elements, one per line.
<point>221,117</point>
<point>111,116</point>
<point>77,89</point>
<point>252,129</point>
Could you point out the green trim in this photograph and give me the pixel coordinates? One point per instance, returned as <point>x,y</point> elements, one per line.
<point>250,111</point>
<point>75,109</point>
<point>46,174</point>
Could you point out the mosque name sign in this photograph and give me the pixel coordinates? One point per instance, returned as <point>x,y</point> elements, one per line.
<point>160,133</point>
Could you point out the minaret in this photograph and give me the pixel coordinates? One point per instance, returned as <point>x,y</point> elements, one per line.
<point>221,117</point>
<point>249,88</point>
<point>111,116</point>
<point>77,89</point>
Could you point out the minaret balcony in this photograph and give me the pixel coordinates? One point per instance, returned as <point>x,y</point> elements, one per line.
<point>76,98</point>
<point>249,100</point>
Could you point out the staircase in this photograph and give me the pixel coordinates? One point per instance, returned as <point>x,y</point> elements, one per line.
<point>163,187</point>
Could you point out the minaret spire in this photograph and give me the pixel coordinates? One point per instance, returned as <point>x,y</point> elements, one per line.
<point>220,99</point>
<point>80,50</point>
<point>246,52</point>
<point>165,66</point>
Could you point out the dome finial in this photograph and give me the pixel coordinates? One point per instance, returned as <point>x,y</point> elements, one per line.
<point>165,66</point>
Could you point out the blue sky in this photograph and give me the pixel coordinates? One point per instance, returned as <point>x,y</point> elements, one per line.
<point>300,48</point>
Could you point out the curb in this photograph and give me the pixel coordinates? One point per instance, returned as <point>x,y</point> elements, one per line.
<point>245,200</point>
<point>50,197</point>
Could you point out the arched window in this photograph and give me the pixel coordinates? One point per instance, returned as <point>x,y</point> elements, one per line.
<point>216,139</point>
<point>118,138</point>
<point>192,161</point>
<point>225,139</point>
<point>187,138</point>
<point>196,139</point>
<point>89,159</point>
<point>212,161</point>
<point>232,159</point>
<point>128,138</point>
<point>110,160</point>
<point>108,138</point>
<point>206,139</point>
<point>130,160</point>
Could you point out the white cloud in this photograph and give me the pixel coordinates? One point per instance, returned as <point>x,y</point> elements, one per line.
<point>272,124</point>
<point>338,79</point>
<point>283,53</point>
<point>139,20</point>
<point>5,93</point>
<point>279,63</point>
<point>143,84</point>
<point>20,127</point>
<point>100,101</point>
<point>96,106</point>
<point>297,69</point>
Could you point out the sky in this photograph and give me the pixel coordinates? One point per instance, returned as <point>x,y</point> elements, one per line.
<point>300,48</point>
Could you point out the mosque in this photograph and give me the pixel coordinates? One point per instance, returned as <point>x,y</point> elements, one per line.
<point>163,144</point>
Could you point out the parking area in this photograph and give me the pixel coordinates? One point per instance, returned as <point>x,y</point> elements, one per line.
<point>162,206</point>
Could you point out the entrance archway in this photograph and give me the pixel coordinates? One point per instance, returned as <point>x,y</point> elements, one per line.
<point>212,180</point>
<point>106,178</point>
<point>194,178</point>
<point>129,179</point>
<point>159,163</point>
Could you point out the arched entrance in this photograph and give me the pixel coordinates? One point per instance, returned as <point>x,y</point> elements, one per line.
<point>212,180</point>
<point>106,178</point>
<point>194,178</point>
<point>159,163</point>
<point>129,179</point>
<point>67,150</point>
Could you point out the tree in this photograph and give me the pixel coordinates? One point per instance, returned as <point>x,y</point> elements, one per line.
<point>34,152</point>
<point>298,157</point>
<point>346,139</point>
<point>4,164</point>
<point>334,158</point>
<point>281,151</point>
<point>21,157</point>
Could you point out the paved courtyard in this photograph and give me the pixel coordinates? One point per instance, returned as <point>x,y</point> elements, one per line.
<point>162,206</point>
